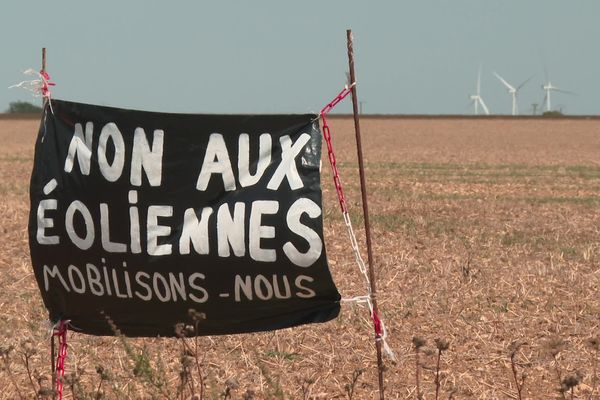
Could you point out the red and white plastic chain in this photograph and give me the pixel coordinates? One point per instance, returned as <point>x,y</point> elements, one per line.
<point>378,325</point>
<point>327,134</point>
<point>46,83</point>
<point>60,331</point>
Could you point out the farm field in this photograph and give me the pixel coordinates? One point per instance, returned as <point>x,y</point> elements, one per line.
<point>486,235</point>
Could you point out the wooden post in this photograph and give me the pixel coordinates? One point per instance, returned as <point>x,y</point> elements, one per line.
<point>52,366</point>
<point>52,348</point>
<point>43,70</point>
<point>43,59</point>
<point>363,189</point>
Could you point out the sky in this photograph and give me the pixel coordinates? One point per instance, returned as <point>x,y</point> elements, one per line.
<point>273,56</point>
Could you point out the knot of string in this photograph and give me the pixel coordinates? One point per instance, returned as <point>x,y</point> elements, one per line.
<point>378,324</point>
<point>46,83</point>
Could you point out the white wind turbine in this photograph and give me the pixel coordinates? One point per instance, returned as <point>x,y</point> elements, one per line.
<point>476,98</point>
<point>513,92</point>
<point>548,88</point>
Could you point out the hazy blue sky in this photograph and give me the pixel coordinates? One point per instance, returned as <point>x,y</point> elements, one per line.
<point>283,56</point>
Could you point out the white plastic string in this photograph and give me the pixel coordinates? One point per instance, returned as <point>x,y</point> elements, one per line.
<point>366,299</point>
<point>35,86</point>
<point>354,243</point>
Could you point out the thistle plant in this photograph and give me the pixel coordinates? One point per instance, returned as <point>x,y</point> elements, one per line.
<point>519,380</point>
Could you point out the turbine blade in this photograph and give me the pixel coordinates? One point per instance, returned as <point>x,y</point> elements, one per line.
<point>485,109</point>
<point>479,81</point>
<point>508,86</point>
<point>523,84</point>
<point>470,105</point>
<point>564,91</point>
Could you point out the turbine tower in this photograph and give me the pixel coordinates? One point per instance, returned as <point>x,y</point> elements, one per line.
<point>548,88</point>
<point>512,91</point>
<point>476,98</point>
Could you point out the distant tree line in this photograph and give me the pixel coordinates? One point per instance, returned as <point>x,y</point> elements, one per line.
<point>553,114</point>
<point>23,107</point>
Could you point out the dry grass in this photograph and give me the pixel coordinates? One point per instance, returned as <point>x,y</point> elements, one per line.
<point>486,235</point>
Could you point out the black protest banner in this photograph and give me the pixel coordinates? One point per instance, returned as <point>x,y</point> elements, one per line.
<point>140,217</point>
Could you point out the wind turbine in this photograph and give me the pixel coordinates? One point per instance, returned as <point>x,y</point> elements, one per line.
<point>476,98</point>
<point>512,91</point>
<point>548,88</point>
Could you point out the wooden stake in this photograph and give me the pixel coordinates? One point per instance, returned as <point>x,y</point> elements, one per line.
<point>363,189</point>
<point>52,345</point>
<point>52,358</point>
<point>43,70</point>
